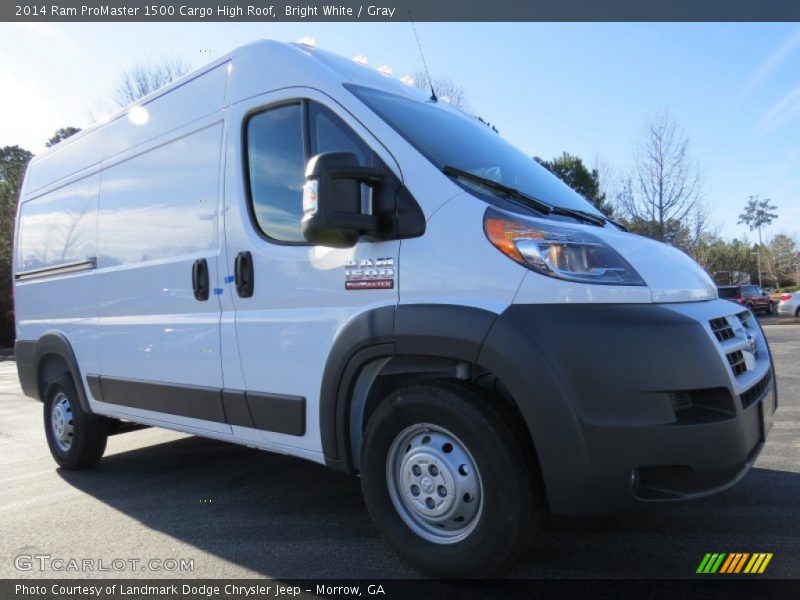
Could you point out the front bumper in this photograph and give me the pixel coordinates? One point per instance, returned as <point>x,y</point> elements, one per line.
<point>679,461</point>
<point>637,403</point>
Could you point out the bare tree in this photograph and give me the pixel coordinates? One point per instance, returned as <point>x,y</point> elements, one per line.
<point>699,218</point>
<point>704,233</point>
<point>666,184</point>
<point>137,81</point>
<point>145,77</point>
<point>446,89</point>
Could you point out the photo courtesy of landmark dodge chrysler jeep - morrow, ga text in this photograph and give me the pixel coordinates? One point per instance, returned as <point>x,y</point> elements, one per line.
<point>294,251</point>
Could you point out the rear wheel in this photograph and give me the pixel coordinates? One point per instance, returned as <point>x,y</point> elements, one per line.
<point>77,439</point>
<point>770,308</point>
<point>447,480</point>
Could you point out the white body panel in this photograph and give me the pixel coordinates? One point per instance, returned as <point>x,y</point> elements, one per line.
<point>75,155</point>
<point>54,228</point>
<point>157,216</point>
<point>467,270</point>
<point>150,195</point>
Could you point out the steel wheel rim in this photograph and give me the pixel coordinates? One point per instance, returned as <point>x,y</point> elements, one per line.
<point>61,422</point>
<point>434,483</point>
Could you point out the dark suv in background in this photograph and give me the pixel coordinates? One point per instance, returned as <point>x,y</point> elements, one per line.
<point>751,296</point>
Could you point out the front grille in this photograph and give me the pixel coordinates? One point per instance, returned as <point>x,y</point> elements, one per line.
<point>754,393</point>
<point>738,339</point>
<point>722,329</point>
<point>736,361</point>
<point>744,319</point>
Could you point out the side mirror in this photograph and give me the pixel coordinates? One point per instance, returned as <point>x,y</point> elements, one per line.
<point>332,213</point>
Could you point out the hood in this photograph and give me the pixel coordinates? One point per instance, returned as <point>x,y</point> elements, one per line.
<point>671,275</point>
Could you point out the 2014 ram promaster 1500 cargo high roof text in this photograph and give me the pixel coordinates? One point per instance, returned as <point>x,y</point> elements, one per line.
<point>294,251</point>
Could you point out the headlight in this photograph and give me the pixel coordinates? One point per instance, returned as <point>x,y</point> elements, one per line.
<point>558,252</point>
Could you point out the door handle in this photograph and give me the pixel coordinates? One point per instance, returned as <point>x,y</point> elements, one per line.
<point>243,273</point>
<point>200,279</point>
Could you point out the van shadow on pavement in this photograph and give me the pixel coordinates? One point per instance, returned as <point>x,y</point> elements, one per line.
<point>283,517</point>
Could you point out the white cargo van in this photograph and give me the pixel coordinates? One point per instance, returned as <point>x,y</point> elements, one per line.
<point>294,251</point>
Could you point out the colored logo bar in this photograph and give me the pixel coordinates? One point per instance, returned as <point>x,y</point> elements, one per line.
<point>733,563</point>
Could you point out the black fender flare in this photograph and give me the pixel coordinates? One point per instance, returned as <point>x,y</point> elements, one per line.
<point>436,330</point>
<point>478,337</point>
<point>29,355</point>
<point>519,361</point>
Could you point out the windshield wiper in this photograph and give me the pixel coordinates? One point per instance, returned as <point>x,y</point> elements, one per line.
<point>579,215</point>
<point>542,207</point>
<point>498,187</point>
<point>589,217</point>
<point>617,224</point>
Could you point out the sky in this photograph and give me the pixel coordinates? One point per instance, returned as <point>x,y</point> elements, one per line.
<point>584,88</point>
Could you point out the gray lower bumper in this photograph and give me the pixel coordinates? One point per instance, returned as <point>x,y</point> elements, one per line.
<point>630,403</point>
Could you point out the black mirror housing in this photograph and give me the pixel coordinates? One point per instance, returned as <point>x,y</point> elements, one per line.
<point>332,213</point>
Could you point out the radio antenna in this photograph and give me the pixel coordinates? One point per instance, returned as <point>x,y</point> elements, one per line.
<point>424,63</point>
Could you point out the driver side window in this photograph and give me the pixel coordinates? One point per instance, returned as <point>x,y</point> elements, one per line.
<point>330,134</point>
<point>279,143</point>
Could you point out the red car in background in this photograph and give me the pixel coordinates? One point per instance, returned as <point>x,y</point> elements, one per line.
<point>751,296</point>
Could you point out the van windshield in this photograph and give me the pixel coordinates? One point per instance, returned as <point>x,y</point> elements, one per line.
<point>451,139</point>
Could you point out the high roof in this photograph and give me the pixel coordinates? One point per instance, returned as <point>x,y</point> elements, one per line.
<point>301,65</point>
<point>266,65</point>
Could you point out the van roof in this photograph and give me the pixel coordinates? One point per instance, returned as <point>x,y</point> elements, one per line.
<point>246,72</point>
<point>316,66</point>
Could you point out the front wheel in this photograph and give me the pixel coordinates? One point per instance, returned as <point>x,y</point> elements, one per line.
<point>77,439</point>
<point>447,480</point>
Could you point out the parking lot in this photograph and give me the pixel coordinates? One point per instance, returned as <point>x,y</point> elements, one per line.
<point>237,512</point>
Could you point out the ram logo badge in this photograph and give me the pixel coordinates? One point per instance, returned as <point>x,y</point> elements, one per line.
<point>369,274</point>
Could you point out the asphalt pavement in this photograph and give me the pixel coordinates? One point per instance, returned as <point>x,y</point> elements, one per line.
<point>230,511</point>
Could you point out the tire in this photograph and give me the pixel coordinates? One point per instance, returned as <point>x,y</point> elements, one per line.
<point>770,308</point>
<point>77,440</point>
<point>489,482</point>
